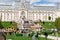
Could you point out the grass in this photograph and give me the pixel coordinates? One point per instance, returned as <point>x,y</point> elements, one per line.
<point>49,25</point>
<point>14,37</point>
<point>8,24</point>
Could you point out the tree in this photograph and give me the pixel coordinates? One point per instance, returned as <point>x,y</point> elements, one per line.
<point>57,23</point>
<point>11,22</point>
<point>43,22</point>
<point>1,26</point>
<point>31,34</point>
<point>13,25</point>
<point>37,34</point>
<point>45,33</point>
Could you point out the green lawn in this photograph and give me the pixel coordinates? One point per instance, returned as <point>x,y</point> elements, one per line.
<point>49,25</point>
<point>14,37</point>
<point>6,24</point>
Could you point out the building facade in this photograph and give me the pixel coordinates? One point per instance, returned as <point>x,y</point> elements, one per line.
<point>23,9</point>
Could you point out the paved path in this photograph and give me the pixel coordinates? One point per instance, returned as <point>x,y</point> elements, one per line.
<point>33,37</point>
<point>52,37</point>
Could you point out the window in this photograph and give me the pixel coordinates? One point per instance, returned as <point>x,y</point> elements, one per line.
<point>26,21</point>
<point>49,18</point>
<point>22,13</point>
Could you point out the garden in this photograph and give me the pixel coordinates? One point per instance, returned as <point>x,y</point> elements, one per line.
<point>22,37</point>
<point>47,25</point>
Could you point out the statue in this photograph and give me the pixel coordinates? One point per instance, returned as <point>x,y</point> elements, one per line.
<point>21,21</point>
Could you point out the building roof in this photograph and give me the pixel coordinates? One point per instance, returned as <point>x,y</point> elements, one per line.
<point>26,5</point>
<point>45,8</point>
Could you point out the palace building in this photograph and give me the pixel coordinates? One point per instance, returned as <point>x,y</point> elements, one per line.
<point>23,9</point>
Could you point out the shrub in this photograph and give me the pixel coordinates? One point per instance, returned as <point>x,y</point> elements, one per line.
<point>10,33</point>
<point>1,26</point>
<point>19,34</point>
<point>36,35</point>
<point>31,34</point>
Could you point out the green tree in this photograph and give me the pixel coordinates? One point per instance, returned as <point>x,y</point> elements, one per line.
<point>1,26</point>
<point>43,22</point>
<point>13,25</point>
<point>46,33</point>
<point>57,23</point>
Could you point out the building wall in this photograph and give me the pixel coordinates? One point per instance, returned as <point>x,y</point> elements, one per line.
<point>41,15</point>
<point>58,13</point>
<point>15,15</point>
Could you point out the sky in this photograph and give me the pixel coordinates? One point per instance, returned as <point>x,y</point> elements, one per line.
<point>35,2</point>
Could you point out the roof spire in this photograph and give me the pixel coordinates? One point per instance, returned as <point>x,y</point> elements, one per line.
<point>23,0</point>
<point>17,0</point>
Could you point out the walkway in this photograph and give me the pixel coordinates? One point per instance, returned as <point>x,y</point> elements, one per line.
<point>52,37</point>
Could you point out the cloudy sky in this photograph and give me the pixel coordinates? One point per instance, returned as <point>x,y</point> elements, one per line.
<point>34,1</point>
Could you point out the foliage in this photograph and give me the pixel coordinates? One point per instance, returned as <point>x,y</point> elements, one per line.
<point>14,37</point>
<point>43,22</point>
<point>1,26</point>
<point>38,22</point>
<point>10,33</point>
<point>49,25</point>
<point>46,33</point>
<point>13,25</point>
<point>37,35</point>
<point>57,23</point>
<point>31,34</point>
<point>7,24</point>
<point>19,34</point>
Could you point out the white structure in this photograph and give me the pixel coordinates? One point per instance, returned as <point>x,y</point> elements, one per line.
<point>23,8</point>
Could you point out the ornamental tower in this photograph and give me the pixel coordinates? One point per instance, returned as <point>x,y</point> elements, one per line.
<point>22,4</point>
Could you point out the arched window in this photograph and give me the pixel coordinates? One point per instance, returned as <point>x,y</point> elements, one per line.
<point>49,18</point>
<point>23,13</point>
